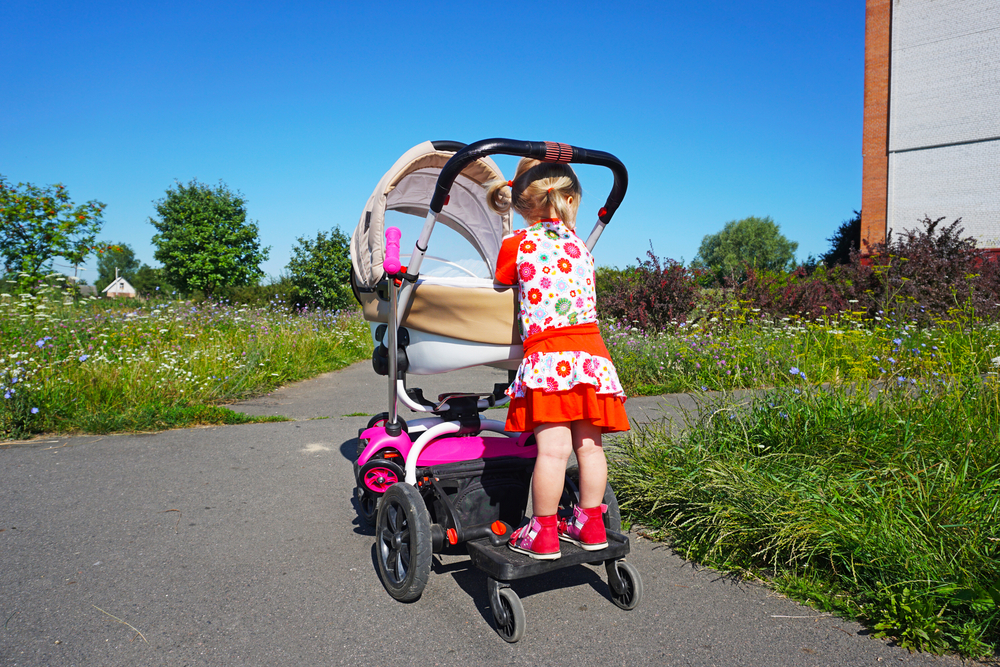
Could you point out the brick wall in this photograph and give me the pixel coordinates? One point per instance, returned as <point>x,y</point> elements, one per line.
<point>875,155</point>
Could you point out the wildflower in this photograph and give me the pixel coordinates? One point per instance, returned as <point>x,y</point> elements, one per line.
<point>34,411</point>
<point>793,370</point>
<point>84,357</point>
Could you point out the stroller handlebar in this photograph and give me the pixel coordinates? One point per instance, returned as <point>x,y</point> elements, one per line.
<point>547,151</point>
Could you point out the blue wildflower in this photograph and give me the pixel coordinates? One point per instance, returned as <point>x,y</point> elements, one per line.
<point>34,411</point>
<point>793,370</point>
<point>84,357</point>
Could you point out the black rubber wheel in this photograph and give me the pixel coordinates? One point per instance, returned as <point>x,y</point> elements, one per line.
<point>403,542</point>
<point>367,505</point>
<point>571,497</point>
<point>632,595</point>
<point>513,630</point>
<point>382,418</point>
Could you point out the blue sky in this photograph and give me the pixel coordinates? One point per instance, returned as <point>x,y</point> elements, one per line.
<point>719,109</point>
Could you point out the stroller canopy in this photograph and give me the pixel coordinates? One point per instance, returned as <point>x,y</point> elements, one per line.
<point>408,187</point>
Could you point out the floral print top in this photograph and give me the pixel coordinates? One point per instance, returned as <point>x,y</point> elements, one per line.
<point>555,274</point>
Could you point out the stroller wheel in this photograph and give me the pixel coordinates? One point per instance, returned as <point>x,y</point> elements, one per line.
<point>403,542</point>
<point>378,475</point>
<point>382,418</point>
<point>367,505</point>
<point>571,497</point>
<point>513,629</point>
<point>631,594</point>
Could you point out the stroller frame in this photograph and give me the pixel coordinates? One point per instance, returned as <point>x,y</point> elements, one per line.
<point>438,482</point>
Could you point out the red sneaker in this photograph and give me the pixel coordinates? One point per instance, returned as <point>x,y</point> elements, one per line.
<point>586,529</point>
<point>539,539</point>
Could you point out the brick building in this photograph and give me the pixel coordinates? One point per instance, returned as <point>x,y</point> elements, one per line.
<point>932,116</point>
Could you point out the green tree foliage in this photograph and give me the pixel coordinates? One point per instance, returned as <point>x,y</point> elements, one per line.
<point>118,256</point>
<point>846,239</point>
<point>150,280</point>
<point>754,242</point>
<point>40,224</point>
<point>204,239</point>
<point>321,270</point>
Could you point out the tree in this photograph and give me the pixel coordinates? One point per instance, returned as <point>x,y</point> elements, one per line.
<point>204,240</point>
<point>39,224</point>
<point>148,281</point>
<point>846,239</point>
<point>755,242</point>
<point>118,256</point>
<point>321,270</point>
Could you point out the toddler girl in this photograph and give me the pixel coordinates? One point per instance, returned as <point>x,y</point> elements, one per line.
<point>566,389</point>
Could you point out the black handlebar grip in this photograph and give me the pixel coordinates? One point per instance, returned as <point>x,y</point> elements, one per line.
<point>547,151</point>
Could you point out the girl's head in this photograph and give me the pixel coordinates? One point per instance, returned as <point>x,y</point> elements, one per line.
<point>538,189</point>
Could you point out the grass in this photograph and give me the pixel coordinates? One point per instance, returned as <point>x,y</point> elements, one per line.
<point>96,366</point>
<point>875,494</point>
<point>732,352</point>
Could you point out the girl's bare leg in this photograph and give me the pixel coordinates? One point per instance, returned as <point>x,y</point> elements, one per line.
<point>555,442</point>
<point>593,464</point>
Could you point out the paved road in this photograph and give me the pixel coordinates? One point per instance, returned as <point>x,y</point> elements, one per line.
<point>239,545</point>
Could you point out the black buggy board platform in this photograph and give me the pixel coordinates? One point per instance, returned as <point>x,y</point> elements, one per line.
<point>504,564</point>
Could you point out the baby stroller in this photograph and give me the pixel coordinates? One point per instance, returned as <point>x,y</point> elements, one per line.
<point>439,481</point>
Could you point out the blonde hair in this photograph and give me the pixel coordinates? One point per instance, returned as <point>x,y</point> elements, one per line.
<point>537,187</point>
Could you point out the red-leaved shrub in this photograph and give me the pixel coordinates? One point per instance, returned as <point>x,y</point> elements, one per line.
<point>649,295</point>
<point>920,275</point>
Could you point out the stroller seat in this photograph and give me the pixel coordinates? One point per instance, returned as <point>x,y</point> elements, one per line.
<point>455,323</point>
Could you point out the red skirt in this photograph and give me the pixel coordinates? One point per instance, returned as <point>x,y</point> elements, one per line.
<point>539,407</point>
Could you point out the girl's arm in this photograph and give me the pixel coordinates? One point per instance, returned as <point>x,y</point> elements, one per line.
<point>507,259</point>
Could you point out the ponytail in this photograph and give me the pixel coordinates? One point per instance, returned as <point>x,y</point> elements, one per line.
<point>537,187</point>
<point>498,196</point>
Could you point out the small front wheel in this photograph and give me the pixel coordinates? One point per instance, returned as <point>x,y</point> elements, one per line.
<point>403,542</point>
<point>630,597</point>
<point>513,629</point>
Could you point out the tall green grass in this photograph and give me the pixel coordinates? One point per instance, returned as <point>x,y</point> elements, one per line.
<point>881,502</point>
<point>736,349</point>
<point>98,366</point>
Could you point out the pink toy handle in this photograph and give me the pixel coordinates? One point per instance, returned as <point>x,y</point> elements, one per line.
<point>391,263</point>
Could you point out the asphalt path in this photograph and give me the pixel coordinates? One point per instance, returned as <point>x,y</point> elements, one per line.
<point>240,545</point>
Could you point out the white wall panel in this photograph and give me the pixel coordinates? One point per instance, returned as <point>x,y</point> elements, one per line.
<point>945,78</point>
<point>955,181</point>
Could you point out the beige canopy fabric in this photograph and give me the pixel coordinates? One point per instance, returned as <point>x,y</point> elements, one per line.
<point>408,187</point>
<point>476,314</point>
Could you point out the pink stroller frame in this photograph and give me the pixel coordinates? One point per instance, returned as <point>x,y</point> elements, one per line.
<point>438,482</point>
